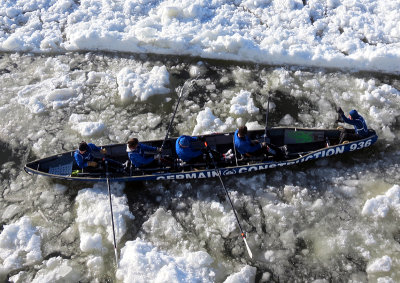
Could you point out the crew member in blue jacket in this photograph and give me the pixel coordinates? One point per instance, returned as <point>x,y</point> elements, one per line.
<point>136,153</point>
<point>245,146</point>
<point>186,151</point>
<point>360,126</point>
<point>83,155</point>
<point>249,148</point>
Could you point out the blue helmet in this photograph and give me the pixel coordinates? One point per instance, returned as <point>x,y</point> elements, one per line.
<point>354,114</point>
<point>184,141</point>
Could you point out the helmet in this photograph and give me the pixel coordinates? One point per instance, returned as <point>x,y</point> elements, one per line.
<point>353,113</point>
<point>184,141</point>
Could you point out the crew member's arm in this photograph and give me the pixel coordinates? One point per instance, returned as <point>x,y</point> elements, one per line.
<point>96,148</point>
<point>356,123</point>
<point>138,160</point>
<point>80,161</point>
<point>149,148</point>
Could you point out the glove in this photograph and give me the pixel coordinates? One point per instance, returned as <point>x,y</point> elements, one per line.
<point>103,151</point>
<point>340,119</point>
<point>339,110</point>
<point>159,149</point>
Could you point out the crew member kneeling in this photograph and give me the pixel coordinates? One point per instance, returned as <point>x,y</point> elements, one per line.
<point>136,153</point>
<point>360,126</point>
<point>250,148</point>
<point>84,157</point>
<point>186,150</point>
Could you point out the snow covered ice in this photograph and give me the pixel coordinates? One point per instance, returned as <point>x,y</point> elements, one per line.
<point>105,71</point>
<point>344,34</point>
<point>141,262</point>
<point>20,245</point>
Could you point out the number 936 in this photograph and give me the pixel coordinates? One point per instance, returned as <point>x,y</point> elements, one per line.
<point>360,145</point>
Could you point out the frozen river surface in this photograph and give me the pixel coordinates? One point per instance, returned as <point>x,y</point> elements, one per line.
<point>334,219</point>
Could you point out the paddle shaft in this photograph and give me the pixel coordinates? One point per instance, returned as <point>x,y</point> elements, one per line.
<point>173,116</point>
<point>230,201</point>
<point>266,121</point>
<point>112,214</point>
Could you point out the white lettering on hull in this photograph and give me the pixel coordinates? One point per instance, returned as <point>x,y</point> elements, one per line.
<point>253,168</point>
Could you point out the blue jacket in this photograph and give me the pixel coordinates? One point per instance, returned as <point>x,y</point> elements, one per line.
<point>358,122</point>
<point>244,145</point>
<point>137,157</point>
<point>186,152</point>
<point>82,159</point>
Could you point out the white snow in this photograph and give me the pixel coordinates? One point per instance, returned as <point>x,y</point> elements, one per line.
<point>207,123</point>
<point>246,275</point>
<point>95,264</point>
<point>242,103</point>
<point>94,219</point>
<point>142,262</point>
<point>89,129</point>
<point>140,84</point>
<point>51,93</point>
<point>380,206</point>
<point>57,269</point>
<point>40,97</point>
<point>383,264</point>
<point>348,35</point>
<point>86,128</point>
<point>19,245</point>
<point>162,223</point>
<point>338,34</point>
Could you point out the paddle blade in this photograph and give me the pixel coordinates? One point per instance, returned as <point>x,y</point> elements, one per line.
<point>116,257</point>
<point>248,248</point>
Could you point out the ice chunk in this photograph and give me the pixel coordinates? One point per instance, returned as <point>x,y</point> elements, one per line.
<point>19,245</point>
<point>140,84</point>
<point>287,120</point>
<point>57,269</point>
<point>383,264</point>
<point>142,262</point>
<point>246,274</point>
<point>89,129</point>
<point>91,242</point>
<point>207,123</point>
<point>379,206</point>
<point>10,211</point>
<point>242,103</point>
<point>94,219</point>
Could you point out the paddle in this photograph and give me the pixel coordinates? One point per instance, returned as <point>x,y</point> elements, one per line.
<point>269,146</point>
<point>176,108</point>
<point>230,201</point>
<point>112,214</point>
<point>266,120</point>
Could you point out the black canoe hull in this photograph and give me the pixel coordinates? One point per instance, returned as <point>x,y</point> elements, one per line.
<point>303,145</point>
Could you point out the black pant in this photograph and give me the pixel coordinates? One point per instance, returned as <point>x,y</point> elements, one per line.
<point>164,161</point>
<point>345,135</point>
<point>198,159</point>
<point>205,157</point>
<point>274,151</point>
<point>259,152</point>
<point>152,164</point>
<point>94,169</point>
<point>113,166</point>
